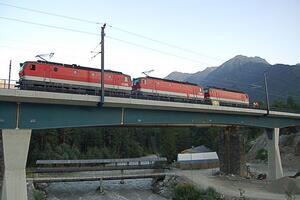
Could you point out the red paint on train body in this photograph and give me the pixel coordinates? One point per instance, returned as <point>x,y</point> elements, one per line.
<point>169,88</point>
<point>49,76</point>
<point>215,95</point>
<point>73,75</point>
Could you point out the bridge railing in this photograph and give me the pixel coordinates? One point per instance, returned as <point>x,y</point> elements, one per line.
<point>60,166</point>
<point>5,84</point>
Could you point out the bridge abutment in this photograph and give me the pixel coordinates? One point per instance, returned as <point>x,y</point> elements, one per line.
<point>15,151</point>
<point>274,160</point>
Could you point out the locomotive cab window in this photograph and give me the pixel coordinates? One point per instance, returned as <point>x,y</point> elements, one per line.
<point>144,81</point>
<point>22,66</point>
<point>136,81</point>
<point>32,67</point>
<point>126,79</point>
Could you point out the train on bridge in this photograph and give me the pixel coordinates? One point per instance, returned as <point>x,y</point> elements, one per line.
<point>57,77</point>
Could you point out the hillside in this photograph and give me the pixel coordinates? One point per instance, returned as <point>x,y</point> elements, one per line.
<point>247,74</point>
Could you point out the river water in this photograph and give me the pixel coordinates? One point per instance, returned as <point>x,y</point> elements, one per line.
<point>113,190</point>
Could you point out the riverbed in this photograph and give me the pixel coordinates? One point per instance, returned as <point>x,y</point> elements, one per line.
<point>113,190</point>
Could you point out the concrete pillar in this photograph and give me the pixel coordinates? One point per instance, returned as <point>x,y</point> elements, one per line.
<point>274,160</point>
<point>15,150</point>
<point>232,151</point>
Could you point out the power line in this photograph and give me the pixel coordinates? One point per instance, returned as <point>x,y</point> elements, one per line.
<point>96,34</point>
<point>49,26</point>
<point>51,14</point>
<point>113,27</point>
<point>156,50</point>
<point>161,42</point>
<point>27,50</point>
<point>258,89</point>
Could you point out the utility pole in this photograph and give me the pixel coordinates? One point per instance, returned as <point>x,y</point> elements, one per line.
<point>9,75</point>
<point>102,64</point>
<point>267,94</point>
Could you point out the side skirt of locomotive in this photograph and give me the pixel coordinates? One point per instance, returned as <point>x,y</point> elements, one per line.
<point>164,97</point>
<point>70,88</point>
<point>225,103</point>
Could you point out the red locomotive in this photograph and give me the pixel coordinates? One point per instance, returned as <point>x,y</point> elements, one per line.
<point>150,86</point>
<point>223,97</point>
<point>71,78</point>
<point>56,77</point>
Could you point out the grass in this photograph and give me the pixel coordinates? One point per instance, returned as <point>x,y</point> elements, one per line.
<point>190,192</point>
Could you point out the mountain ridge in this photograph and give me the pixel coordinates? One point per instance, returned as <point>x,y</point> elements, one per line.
<point>247,74</point>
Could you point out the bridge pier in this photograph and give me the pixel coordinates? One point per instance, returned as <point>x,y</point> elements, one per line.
<point>15,150</point>
<point>274,160</point>
<point>232,151</point>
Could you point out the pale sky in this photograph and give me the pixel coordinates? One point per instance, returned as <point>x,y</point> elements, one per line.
<point>215,30</point>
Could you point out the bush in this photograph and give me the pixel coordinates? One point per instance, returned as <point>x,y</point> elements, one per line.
<point>187,192</point>
<point>262,154</point>
<point>38,195</point>
<point>190,192</point>
<point>211,194</point>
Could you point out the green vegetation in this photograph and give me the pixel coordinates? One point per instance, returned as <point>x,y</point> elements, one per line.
<point>190,192</point>
<point>187,192</point>
<point>289,104</point>
<point>38,195</point>
<point>212,194</point>
<point>96,143</point>
<point>262,155</point>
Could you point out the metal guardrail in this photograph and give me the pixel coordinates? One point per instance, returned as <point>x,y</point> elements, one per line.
<point>5,84</point>
<point>121,161</point>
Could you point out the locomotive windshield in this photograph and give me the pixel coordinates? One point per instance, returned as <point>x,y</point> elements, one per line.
<point>136,81</point>
<point>22,66</point>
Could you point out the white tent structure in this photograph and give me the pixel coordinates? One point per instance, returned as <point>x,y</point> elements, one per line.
<point>200,160</point>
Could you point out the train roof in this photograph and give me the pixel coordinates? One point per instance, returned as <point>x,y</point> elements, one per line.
<point>76,66</point>
<point>225,89</point>
<point>173,81</point>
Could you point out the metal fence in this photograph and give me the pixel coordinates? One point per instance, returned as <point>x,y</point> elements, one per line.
<point>5,84</point>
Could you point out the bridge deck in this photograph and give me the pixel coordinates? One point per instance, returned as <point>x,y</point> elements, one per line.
<point>90,100</point>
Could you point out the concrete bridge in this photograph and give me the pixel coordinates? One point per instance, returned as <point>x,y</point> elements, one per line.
<point>21,111</point>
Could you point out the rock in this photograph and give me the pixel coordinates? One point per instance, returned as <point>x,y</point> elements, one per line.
<point>297,149</point>
<point>285,185</point>
<point>41,186</point>
<point>30,189</point>
<point>261,176</point>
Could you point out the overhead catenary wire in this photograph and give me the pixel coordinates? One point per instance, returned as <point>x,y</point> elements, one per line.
<point>51,14</point>
<point>113,27</point>
<point>49,26</point>
<point>113,38</point>
<point>156,50</point>
<point>161,42</point>
<point>258,89</point>
<point>96,34</point>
